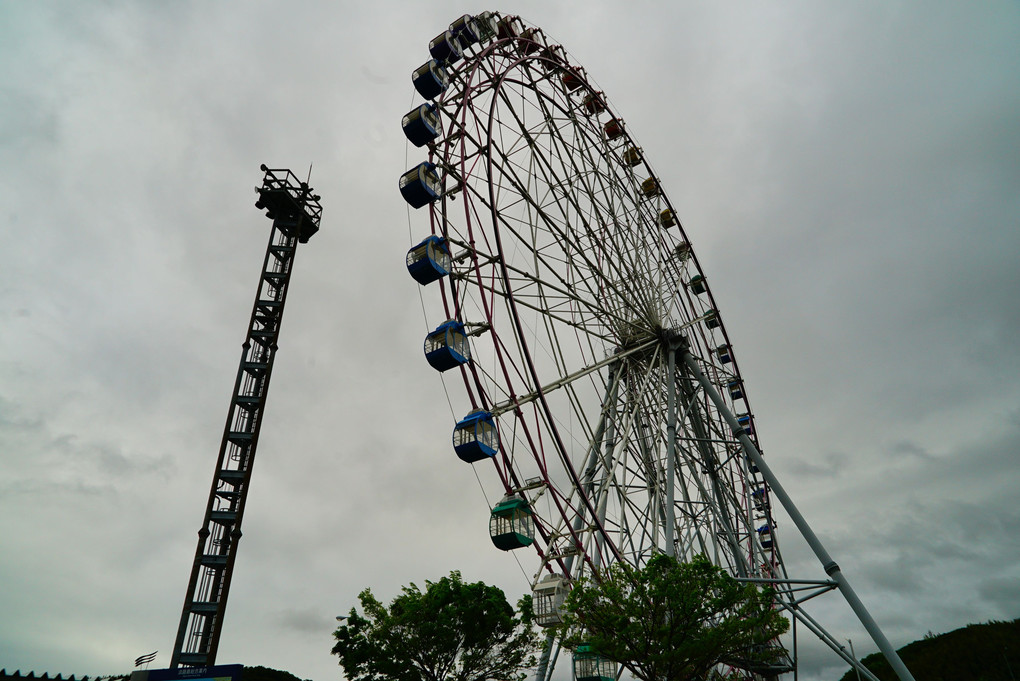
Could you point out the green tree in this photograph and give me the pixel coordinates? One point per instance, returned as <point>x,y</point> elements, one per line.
<point>452,631</point>
<point>674,621</point>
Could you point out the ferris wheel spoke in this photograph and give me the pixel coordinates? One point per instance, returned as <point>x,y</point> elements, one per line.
<point>562,286</point>
<point>551,179</point>
<point>594,184</point>
<point>509,405</point>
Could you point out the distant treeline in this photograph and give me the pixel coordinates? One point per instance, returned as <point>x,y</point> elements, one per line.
<point>977,652</point>
<point>267,674</point>
<point>4,676</point>
<point>249,674</point>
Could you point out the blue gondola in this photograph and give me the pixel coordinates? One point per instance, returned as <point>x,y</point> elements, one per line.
<point>430,79</point>
<point>420,185</point>
<point>736,388</point>
<point>430,260</point>
<point>445,47</point>
<point>765,536</point>
<point>466,30</point>
<point>422,125</point>
<point>745,422</point>
<point>512,524</point>
<point>447,347</point>
<point>712,319</point>
<point>590,666</point>
<point>475,437</point>
<point>724,353</point>
<point>697,284</point>
<point>758,497</point>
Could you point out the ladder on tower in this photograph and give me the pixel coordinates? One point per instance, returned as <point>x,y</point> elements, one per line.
<point>295,212</point>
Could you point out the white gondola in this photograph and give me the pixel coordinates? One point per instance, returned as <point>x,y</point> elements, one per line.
<point>547,600</point>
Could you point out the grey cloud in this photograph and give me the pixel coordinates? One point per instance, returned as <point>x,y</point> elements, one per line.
<point>826,466</point>
<point>1003,594</point>
<point>847,176</point>
<point>909,449</point>
<point>305,621</point>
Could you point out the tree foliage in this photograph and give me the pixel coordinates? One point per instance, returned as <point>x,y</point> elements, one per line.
<point>452,631</point>
<point>672,620</point>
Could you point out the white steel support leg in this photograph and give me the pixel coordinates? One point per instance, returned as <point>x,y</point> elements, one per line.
<point>829,565</point>
<point>670,450</point>
<point>544,671</point>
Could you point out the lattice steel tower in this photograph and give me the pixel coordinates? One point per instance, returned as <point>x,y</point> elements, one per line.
<point>295,212</point>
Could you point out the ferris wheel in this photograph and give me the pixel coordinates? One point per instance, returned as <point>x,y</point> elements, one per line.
<point>577,328</point>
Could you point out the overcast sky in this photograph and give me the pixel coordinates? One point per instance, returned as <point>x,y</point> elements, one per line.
<point>848,173</point>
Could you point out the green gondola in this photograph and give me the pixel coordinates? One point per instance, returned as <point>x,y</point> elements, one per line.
<point>512,524</point>
<point>590,666</point>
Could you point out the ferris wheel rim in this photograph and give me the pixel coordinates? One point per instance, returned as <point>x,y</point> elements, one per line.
<point>473,379</point>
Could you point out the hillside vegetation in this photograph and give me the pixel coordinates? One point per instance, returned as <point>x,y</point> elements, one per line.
<point>266,674</point>
<point>977,652</point>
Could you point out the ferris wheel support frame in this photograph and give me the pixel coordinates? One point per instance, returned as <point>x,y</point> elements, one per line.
<point>828,564</point>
